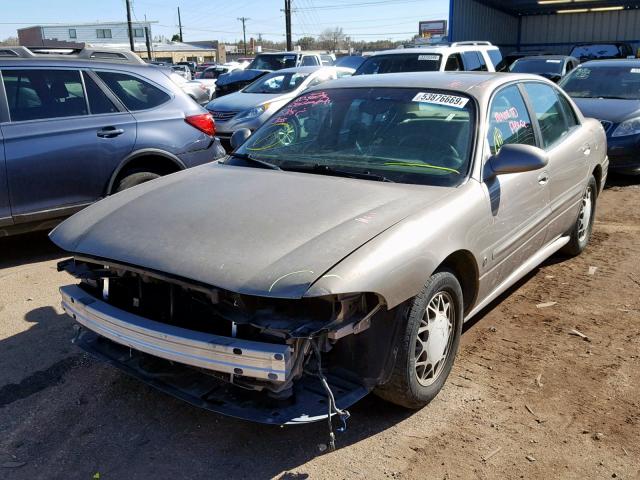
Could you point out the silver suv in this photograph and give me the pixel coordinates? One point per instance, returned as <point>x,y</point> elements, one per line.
<point>451,57</point>
<point>76,126</point>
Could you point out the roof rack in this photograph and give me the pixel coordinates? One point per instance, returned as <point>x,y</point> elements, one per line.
<point>472,42</point>
<point>86,53</point>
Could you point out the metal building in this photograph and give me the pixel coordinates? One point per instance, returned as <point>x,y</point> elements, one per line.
<point>544,25</point>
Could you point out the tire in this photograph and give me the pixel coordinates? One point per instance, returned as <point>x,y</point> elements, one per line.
<point>404,387</point>
<point>134,179</point>
<point>580,233</point>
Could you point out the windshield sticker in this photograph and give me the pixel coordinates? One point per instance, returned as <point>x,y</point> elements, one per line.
<point>554,61</point>
<point>450,117</point>
<point>440,99</point>
<point>431,58</point>
<point>506,115</point>
<point>301,105</point>
<point>635,70</point>
<point>498,141</point>
<point>583,73</point>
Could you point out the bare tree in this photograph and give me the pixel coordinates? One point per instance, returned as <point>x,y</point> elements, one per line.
<point>307,43</point>
<point>10,41</point>
<point>331,39</point>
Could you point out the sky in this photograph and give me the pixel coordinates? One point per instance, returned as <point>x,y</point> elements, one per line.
<point>218,19</point>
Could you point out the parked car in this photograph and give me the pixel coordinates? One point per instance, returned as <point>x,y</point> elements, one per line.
<point>328,59</point>
<point>203,66</point>
<point>190,65</point>
<point>209,76</point>
<point>350,61</point>
<point>509,58</point>
<point>182,70</point>
<point>75,128</point>
<point>340,248</point>
<point>553,67</point>
<point>253,105</point>
<point>609,90</point>
<point>602,51</point>
<point>196,90</point>
<point>261,65</point>
<point>458,56</point>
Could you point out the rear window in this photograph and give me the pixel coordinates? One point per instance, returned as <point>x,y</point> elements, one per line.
<point>273,62</point>
<point>37,94</point>
<point>134,93</point>
<point>403,62</point>
<point>603,50</point>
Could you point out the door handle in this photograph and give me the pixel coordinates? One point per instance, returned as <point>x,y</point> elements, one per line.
<point>586,150</point>
<point>543,178</point>
<point>110,132</point>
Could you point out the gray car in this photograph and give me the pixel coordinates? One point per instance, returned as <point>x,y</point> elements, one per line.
<point>75,128</point>
<point>341,248</point>
<point>253,105</point>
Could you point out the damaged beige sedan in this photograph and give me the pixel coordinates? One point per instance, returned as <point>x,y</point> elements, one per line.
<point>340,248</point>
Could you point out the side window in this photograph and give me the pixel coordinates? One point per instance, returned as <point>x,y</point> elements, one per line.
<point>509,120</point>
<point>496,59</point>
<point>474,62</point>
<point>570,66</point>
<point>309,61</point>
<point>36,94</point>
<point>569,112</point>
<point>548,111</point>
<point>134,93</point>
<point>454,63</point>
<point>98,101</point>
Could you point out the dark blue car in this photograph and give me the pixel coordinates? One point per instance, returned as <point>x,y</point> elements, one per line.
<point>80,126</point>
<point>609,90</point>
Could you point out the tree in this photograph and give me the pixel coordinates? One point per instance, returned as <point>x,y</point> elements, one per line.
<point>175,38</point>
<point>332,38</point>
<point>307,43</point>
<point>10,41</point>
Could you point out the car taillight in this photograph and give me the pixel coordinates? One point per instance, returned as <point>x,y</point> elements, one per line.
<point>203,122</point>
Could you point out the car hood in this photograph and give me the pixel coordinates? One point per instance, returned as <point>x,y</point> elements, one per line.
<point>239,101</point>
<point>247,230</point>
<point>612,110</point>
<point>240,76</point>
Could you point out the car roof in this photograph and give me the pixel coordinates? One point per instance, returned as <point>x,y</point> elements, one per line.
<point>477,84</point>
<point>53,61</point>
<point>613,62</point>
<point>435,49</point>
<point>544,57</point>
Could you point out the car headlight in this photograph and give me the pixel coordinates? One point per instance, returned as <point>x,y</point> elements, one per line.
<point>253,112</point>
<point>628,127</point>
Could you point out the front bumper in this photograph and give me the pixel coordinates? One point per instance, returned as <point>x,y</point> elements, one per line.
<point>624,154</point>
<point>258,360</point>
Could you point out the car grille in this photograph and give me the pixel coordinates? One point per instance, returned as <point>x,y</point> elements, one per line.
<point>222,116</point>
<point>606,124</point>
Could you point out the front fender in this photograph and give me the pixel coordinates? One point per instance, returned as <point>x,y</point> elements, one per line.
<point>397,263</point>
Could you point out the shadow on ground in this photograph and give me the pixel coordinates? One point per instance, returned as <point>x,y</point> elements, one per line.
<point>26,249</point>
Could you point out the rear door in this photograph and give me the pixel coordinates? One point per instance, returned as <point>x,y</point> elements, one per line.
<point>564,140</point>
<point>61,144</point>
<point>5,207</point>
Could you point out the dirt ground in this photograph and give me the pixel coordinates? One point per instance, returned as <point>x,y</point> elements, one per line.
<point>526,398</point>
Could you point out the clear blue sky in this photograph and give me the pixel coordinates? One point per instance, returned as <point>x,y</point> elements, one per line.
<point>217,19</point>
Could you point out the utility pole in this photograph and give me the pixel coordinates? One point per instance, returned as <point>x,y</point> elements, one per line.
<point>287,16</point>
<point>146,35</point>
<point>129,26</point>
<point>179,23</point>
<point>244,32</point>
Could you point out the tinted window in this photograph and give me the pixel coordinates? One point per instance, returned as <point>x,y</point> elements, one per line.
<point>34,94</point>
<point>594,81</point>
<point>509,120</point>
<point>134,93</point>
<point>404,134</point>
<point>496,59</point>
<point>474,62</point>
<point>454,63</point>
<point>272,62</point>
<point>604,50</point>
<point>309,61</point>
<point>404,62</point>
<point>548,111</point>
<point>98,101</point>
<point>552,66</point>
<point>277,83</point>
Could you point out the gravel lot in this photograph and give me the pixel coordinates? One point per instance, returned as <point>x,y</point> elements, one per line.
<point>526,398</point>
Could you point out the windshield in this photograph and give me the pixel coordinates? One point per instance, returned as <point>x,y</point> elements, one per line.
<point>603,82</point>
<point>551,66</point>
<point>404,62</point>
<point>405,135</point>
<point>273,62</point>
<point>589,52</point>
<point>277,83</point>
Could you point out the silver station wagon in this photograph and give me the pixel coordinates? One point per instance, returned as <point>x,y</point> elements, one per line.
<point>339,250</point>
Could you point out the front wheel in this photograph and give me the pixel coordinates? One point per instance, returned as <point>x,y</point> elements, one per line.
<point>134,179</point>
<point>429,344</point>
<point>581,232</point>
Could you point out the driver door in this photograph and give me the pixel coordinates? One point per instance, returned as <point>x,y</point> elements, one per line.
<point>518,202</point>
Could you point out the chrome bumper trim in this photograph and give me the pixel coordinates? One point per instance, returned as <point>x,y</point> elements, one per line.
<point>264,361</point>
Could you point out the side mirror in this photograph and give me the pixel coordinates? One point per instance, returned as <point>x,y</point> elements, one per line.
<point>516,158</point>
<point>239,137</point>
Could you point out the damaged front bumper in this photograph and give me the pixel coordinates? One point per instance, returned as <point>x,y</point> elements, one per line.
<point>269,361</point>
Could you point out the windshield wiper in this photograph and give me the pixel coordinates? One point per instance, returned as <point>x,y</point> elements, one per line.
<point>327,170</point>
<point>262,163</point>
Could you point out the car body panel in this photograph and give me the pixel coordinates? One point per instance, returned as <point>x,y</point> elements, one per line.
<point>5,206</point>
